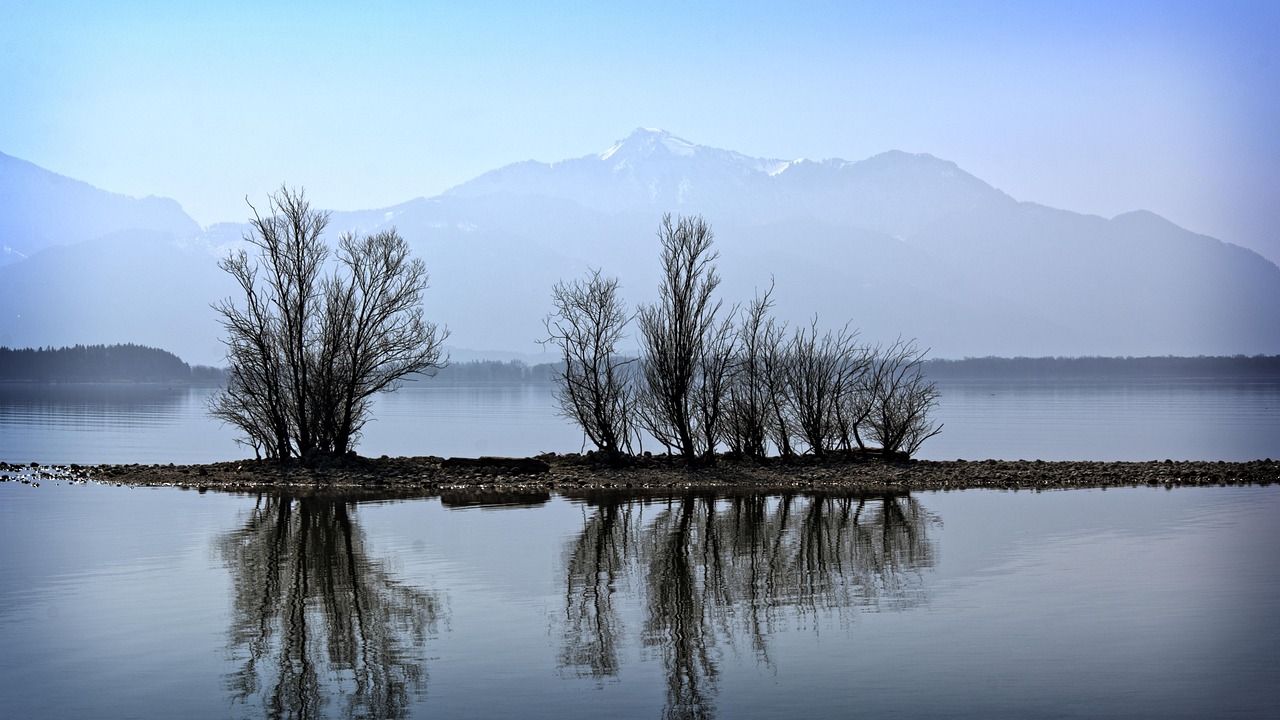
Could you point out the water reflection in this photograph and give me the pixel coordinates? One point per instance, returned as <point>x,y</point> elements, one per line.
<point>715,572</point>
<point>315,618</point>
<point>91,400</point>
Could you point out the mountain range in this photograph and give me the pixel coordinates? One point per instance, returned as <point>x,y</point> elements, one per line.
<point>897,244</point>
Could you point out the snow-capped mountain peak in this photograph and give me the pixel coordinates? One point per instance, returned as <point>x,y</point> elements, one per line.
<point>646,142</point>
<point>653,169</point>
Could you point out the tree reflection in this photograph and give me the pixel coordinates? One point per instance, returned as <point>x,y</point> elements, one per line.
<point>314,617</point>
<point>595,567</point>
<point>718,572</point>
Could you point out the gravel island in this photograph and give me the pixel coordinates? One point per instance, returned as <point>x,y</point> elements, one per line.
<point>572,474</point>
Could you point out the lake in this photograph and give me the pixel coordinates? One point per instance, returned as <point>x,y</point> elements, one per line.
<point>1126,603</point>
<point>121,602</point>
<point>1064,420</point>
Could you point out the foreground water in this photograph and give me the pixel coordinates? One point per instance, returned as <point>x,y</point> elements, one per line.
<point>1142,603</point>
<point>1067,420</point>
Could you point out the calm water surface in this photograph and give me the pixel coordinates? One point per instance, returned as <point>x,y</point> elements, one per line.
<point>119,603</point>
<point>1097,420</point>
<point>1142,603</point>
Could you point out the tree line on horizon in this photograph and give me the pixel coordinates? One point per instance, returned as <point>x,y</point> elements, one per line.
<point>31,365</point>
<point>1102,367</point>
<point>1222,367</point>
<point>100,363</point>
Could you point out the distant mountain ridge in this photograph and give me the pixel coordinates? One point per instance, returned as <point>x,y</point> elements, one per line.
<point>898,243</point>
<point>40,209</point>
<point>654,171</point>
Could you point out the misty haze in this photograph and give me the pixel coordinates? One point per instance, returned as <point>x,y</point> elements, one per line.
<point>899,244</point>
<point>550,360</point>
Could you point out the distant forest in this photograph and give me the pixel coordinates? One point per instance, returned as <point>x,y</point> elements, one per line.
<point>101,363</point>
<point>495,370</point>
<point>984,368</point>
<point>137,363</point>
<point>1054,368</point>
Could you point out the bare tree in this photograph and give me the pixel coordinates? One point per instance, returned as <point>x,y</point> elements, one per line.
<point>716,367</point>
<point>747,421</point>
<point>306,352</point>
<point>776,358</point>
<point>267,340</point>
<point>818,372</point>
<point>857,400</point>
<point>255,399</point>
<point>678,335</point>
<point>594,386</point>
<point>373,333</point>
<point>901,399</point>
<point>849,412</point>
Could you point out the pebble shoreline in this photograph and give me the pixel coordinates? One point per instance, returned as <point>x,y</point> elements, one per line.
<point>569,474</point>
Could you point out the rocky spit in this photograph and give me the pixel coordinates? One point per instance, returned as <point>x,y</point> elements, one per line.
<point>573,474</point>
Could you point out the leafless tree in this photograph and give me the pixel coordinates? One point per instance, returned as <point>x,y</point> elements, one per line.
<point>747,422</point>
<point>901,399</point>
<point>267,387</point>
<point>305,351</point>
<point>678,336</point>
<point>857,399</point>
<point>255,400</point>
<point>850,409</point>
<point>716,367</point>
<point>819,371</point>
<point>776,359</point>
<point>594,386</point>
<point>373,333</point>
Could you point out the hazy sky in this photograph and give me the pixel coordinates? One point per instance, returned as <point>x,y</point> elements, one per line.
<point>1099,107</point>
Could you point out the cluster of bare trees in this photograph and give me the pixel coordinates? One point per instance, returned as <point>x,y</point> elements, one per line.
<point>317,335</point>
<point>820,393</point>
<point>708,377</point>
<point>314,338</point>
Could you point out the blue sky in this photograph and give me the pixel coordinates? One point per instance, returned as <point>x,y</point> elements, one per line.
<point>1096,107</point>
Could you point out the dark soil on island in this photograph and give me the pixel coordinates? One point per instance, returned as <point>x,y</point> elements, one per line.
<point>575,474</point>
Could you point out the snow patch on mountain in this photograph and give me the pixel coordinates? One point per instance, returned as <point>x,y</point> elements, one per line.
<point>774,168</point>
